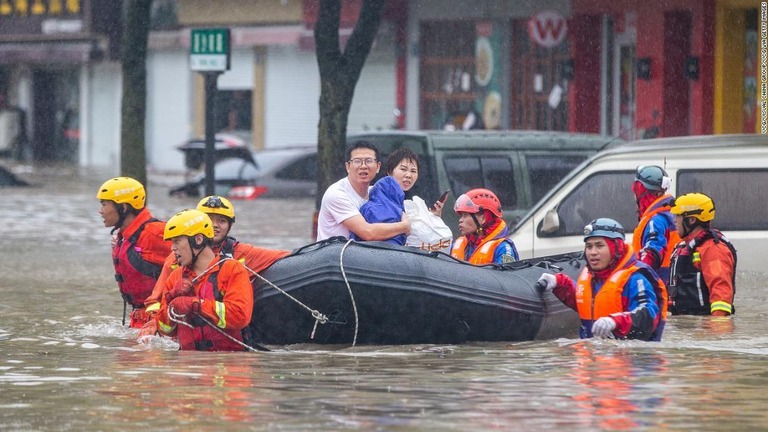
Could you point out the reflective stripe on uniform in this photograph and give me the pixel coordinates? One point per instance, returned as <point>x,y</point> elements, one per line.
<point>221,312</point>
<point>164,327</point>
<point>721,306</point>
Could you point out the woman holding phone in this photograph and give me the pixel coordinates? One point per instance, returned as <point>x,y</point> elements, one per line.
<point>386,197</point>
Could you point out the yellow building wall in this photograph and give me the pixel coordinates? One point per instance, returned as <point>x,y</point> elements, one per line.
<point>238,12</point>
<point>729,65</point>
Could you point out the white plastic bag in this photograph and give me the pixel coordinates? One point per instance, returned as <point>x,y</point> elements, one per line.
<point>428,232</point>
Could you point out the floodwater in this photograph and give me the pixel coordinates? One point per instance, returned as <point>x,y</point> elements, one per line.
<point>67,363</point>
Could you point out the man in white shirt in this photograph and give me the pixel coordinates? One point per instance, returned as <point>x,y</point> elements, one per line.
<point>340,209</point>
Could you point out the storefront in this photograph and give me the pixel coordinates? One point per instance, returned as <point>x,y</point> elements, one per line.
<point>50,56</point>
<point>642,69</point>
<point>496,65</point>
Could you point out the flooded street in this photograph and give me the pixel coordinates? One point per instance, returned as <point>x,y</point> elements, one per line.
<point>67,363</point>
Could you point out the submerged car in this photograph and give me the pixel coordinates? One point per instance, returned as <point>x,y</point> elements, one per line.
<point>226,146</point>
<point>280,172</point>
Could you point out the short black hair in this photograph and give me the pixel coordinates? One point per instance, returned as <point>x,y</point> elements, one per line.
<point>361,144</point>
<point>399,155</point>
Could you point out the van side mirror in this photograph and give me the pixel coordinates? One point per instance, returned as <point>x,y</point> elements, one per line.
<point>551,222</point>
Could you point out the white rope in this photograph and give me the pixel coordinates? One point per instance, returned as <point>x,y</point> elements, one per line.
<point>319,317</point>
<point>246,346</point>
<point>351,296</point>
<point>179,319</point>
<point>197,278</point>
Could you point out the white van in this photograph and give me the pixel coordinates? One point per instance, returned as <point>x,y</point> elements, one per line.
<point>731,169</point>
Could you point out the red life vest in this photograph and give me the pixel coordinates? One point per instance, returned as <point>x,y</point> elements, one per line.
<point>135,277</point>
<point>202,337</point>
<point>660,205</point>
<point>484,252</point>
<point>688,289</point>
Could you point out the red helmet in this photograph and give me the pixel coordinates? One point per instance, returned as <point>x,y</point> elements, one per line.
<point>477,200</point>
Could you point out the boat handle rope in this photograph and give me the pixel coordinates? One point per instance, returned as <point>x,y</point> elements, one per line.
<point>346,281</point>
<point>319,317</point>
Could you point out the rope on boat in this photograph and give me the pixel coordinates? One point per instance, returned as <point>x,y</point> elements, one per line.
<point>351,296</point>
<point>319,317</point>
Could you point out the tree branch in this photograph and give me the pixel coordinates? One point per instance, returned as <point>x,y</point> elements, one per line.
<point>360,42</point>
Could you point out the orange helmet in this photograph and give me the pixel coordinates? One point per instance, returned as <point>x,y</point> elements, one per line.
<point>478,200</point>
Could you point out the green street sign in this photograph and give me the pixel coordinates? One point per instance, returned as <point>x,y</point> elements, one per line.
<point>209,50</point>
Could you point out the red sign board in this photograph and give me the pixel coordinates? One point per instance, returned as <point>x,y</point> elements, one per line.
<point>547,28</point>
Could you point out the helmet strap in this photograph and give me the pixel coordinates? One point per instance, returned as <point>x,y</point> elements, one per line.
<point>477,224</point>
<point>689,226</point>
<point>193,245</point>
<point>122,213</point>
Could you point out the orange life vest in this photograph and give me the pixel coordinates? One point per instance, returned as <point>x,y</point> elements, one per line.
<point>607,301</point>
<point>484,252</point>
<point>660,205</point>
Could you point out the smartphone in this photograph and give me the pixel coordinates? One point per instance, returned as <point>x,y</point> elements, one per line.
<point>443,197</point>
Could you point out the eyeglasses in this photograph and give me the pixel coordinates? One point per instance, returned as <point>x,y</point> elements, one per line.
<point>358,161</point>
<point>215,202</point>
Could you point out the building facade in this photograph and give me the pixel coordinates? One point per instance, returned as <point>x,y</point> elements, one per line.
<point>270,94</point>
<point>59,80</point>
<point>495,65</point>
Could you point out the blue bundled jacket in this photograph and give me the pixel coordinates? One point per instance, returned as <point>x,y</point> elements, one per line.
<point>385,204</point>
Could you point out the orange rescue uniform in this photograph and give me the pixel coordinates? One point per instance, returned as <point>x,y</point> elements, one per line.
<point>255,258</point>
<point>231,313</point>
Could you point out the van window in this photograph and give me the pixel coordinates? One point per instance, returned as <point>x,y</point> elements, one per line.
<point>493,173</point>
<point>546,170</point>
<point>605,194</point>
<point>739,196</point>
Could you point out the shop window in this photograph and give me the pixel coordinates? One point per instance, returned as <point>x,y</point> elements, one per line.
<point>447,65</point>
<point>233,111</point>
<point>538,86</point>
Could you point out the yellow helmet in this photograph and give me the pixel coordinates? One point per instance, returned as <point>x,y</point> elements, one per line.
<point>215,204</point>
<point>188,223</point>
<point>695,205</point>
<point>123,190</point>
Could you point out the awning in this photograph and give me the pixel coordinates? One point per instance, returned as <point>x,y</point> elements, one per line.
<point>71,52</point>
<point>241,37</point>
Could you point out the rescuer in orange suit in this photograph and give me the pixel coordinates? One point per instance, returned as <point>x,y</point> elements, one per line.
<point>208,299</point>
<point>222,214</point>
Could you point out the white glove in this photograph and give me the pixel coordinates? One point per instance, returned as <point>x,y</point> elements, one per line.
<point>547,281</point>
<point>604,327</point>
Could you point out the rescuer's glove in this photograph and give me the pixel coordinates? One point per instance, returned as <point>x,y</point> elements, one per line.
<point>547,281</point>
<point>604,327</point>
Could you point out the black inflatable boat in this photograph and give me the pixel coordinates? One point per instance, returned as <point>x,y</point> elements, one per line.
<point>340,292</point>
